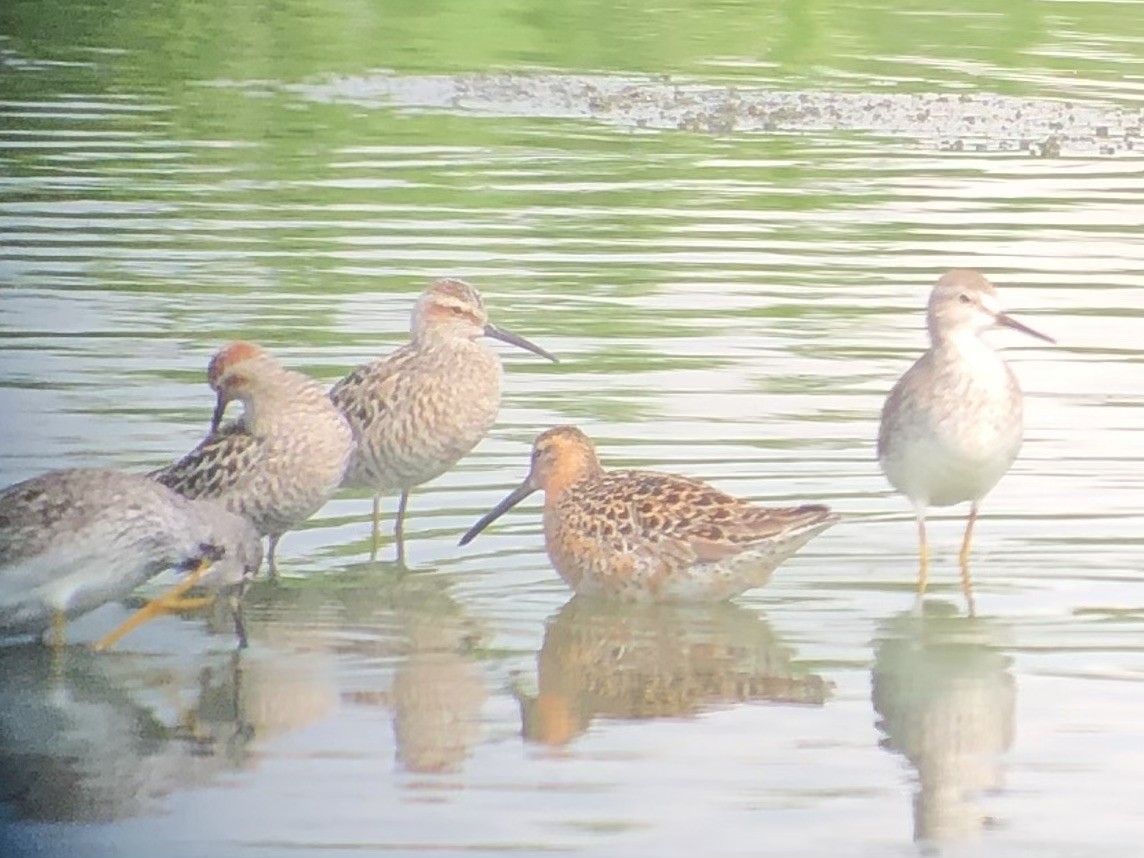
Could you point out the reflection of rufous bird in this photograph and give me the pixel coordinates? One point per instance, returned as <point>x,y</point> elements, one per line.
<point>277,463</point>
<point>607,659</point>
<point>647,535</point>
<point>73,540</point>
<point>952,425</point>
<point>416,412</point>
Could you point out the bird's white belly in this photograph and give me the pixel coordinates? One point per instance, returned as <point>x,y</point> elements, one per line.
<point>932,472</point>
<point>66,580</point>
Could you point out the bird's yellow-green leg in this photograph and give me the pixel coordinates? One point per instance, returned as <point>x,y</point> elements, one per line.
<point>58,642</point>
<point>59,628</point>
<point>399,527</point>
<point>963,558</point>
<point>923,556</point>
<point>272,557</point>
<point>375,534</point>
<point>169,602</point>
<point>182,604</point>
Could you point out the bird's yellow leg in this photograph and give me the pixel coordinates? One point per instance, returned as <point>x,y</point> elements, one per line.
<point>169,602</point>
<point>923,556</point>
<point>58,642</point>
<point>187,603</point>
<point>963,558</point>
<point>399,527</point>
<point>375,534</point>
<point>272,557</point>
<point>59,628</point>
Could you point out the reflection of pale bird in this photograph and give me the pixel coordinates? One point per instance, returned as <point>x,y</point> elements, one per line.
<point>281,460</point>
<point>73,540</point>
<point>438,689</point>
<point>82,740</point>
<point>946,700</point>
<point>437,698</point>
<point>952,425</point>
<point>416,412</point>
<point>647,535</point>
<point>276,691</point>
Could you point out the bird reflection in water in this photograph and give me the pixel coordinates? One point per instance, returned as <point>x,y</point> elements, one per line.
<point>945,698</point>
<point>624,661</point>
<point>88,737</point>
<point>437,688</point>
<point>79,741</point>
<point>438,692</point>
<point>415,648</point>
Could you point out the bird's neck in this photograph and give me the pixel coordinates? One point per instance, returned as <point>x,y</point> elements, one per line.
<point>964,341</point>
<point>566,474</point>
<point>277,405</point>
<point>442,337</point>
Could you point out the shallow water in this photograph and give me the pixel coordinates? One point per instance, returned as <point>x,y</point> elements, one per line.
<point>725,221</point>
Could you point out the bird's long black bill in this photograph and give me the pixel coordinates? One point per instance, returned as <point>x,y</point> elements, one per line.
<point>516,496</point>
<point>509,337</point>
<point>1009,322</point>
<point>219,411</point>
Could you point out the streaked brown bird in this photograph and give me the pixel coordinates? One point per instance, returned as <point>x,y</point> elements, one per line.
<point>643,535</point>
<point>281,459</point>
<point>73,540</point>
<point>416,412</point>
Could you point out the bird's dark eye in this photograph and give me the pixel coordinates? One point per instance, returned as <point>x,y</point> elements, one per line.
<point>457,311</point>
<point>964,299</point>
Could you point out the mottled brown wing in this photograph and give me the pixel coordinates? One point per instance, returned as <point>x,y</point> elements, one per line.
<point>364,394</point>
<point>214,467</point>
<point>710,523</point>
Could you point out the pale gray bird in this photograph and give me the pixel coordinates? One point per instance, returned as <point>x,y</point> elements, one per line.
<point>952,425</point>
<point>73,540</point>
<point>416,412</point>
<point>277,463</point>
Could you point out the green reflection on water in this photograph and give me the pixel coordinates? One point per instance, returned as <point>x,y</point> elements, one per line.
<point>197,39</point>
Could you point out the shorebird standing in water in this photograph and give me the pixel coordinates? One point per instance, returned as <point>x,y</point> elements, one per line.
<point>277,463</point>
<point>952,425</point>
<point>416,412</point>
<point>643,535</point>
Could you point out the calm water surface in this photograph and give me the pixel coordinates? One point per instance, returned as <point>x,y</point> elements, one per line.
<point>725,220</point>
